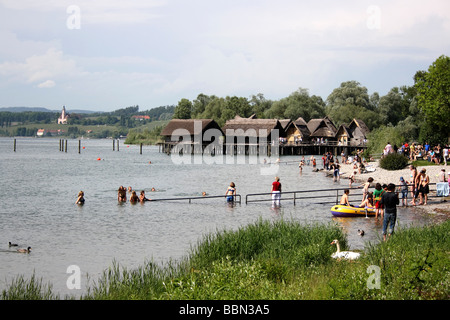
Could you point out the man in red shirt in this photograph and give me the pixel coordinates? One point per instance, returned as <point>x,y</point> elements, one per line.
<point>276,192</point>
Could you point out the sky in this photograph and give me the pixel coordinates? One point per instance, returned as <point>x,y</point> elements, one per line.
<point>104,55</point>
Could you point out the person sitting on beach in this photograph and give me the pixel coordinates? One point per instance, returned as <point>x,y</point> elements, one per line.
<point>142,197</point>
<point>344,199</point>
<point>231,192</point>
<point>122,194</point>
<point>134,198</point>
<point>80,199</point>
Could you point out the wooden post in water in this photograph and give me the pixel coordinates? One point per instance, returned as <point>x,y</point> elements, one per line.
<point>62,145</point>
<point>14,145</point>
<point>117,144</point>
<point>114,144</point>
<point>141,148</point>
<point>79,146</point>
<point>66,145</point>
<point>59,144</point>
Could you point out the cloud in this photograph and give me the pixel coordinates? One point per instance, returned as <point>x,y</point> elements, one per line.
<point>38,68</point>
<point>95,12</point>
<point>122,53</point>
<point>47,84</point>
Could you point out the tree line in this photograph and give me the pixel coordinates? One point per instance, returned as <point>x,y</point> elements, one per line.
<point>419,112</point>
<point>121,118</point>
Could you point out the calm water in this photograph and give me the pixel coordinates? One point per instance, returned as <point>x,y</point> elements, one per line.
<point>40,185</point>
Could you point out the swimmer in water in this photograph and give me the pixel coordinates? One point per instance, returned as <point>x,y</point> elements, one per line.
<point>80,199</point>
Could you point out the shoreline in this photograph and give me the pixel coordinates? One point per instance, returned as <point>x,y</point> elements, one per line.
<point>440,208</point>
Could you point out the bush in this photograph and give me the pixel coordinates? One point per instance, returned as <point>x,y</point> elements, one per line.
<point>394,161</point>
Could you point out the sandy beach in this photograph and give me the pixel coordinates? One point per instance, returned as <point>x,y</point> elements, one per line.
<point>385,176</point>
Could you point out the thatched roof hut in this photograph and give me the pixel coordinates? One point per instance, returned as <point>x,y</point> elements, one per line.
<point>355,133</point>
<point>192,127</point>
<point>322,128</point>
<point>255,128</point>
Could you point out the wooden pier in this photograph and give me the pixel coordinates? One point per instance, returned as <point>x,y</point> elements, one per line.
<point>254,149</point>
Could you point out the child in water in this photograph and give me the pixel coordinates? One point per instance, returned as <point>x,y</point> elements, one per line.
<point>366,188</point>
<point>344,199</point>
<point>231,192</point>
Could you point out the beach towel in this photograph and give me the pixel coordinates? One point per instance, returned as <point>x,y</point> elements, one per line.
<point>442,189</point>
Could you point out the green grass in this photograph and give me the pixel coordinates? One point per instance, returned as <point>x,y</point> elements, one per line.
<point>281,260</point>
<point>423,163</point>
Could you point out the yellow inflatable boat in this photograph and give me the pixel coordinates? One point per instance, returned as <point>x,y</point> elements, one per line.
<point>348,211</point>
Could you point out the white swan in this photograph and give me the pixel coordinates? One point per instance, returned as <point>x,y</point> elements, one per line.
<point>344,254</point>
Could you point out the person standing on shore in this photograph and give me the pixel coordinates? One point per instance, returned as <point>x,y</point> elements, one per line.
<point>390,201</point>
<point>422,187</point>
<point>276,192</point>
<point>403,187</point>
<point>412,180</point>
<point>445,154</point>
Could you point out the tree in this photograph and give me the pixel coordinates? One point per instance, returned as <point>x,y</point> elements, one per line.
<point>351,101</point>
<point>433,96</point>
<point>183,109</point>
<point>200,104</point>
<point>349,92</point>
<point>298,104</point>
<point>394,106</point>
<point>259,104</point>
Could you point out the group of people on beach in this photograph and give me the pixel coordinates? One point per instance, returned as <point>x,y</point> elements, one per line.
<point>414,151</point>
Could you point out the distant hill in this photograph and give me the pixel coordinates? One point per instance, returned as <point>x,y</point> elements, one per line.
<point>38,109</point>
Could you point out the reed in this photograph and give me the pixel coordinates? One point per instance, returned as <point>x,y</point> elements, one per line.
<point>28,289</point>
<point>279,260</point>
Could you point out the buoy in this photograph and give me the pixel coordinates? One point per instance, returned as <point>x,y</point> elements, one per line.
<point>84,147</point>
<point>99,159</point>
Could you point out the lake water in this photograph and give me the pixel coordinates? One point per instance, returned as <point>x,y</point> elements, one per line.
<point>41,183</point>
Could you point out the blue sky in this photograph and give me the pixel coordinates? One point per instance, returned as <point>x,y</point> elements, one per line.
<point>108,54</point>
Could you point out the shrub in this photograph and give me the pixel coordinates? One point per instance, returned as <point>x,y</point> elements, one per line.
<point>394,161</point>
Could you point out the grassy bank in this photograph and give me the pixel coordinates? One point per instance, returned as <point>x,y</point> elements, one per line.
<point>281,260</point>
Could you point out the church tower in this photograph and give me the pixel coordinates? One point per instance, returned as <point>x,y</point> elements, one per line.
<point>63,117</point>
